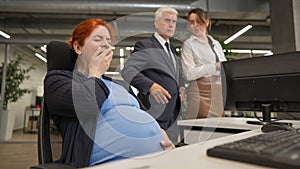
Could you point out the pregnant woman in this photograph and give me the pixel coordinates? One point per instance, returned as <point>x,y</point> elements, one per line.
<point>99,119</point>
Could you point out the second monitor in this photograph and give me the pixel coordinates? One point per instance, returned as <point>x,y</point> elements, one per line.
<point>267,84</point>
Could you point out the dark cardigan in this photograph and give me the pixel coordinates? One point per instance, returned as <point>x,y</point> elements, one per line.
<point>65,92</point>
<point>73,102</point>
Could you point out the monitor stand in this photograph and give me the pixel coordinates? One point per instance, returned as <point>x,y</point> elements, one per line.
<point>266,115</point>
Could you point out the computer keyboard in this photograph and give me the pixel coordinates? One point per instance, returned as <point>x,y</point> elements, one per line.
<point>278,149</point>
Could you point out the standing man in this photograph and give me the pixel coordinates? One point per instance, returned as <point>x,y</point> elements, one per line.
<point>155,70</point>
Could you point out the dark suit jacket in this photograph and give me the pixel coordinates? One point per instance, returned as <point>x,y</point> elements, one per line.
<point>148,64</point>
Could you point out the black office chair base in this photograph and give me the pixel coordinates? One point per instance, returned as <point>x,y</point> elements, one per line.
<point>52,166</point>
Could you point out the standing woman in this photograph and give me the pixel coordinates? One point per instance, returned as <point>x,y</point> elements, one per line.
<point>201,61</point>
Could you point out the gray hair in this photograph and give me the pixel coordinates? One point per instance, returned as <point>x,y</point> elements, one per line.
<point>159,12</point>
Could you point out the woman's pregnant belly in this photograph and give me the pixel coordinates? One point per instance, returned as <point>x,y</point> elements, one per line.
<point>124,132</point>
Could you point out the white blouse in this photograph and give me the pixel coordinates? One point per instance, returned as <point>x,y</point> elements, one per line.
<point>198,59</point>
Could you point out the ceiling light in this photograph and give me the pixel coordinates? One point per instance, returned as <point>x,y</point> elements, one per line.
<point>112,73</point>
<point>129,48</point>
<point>7,36</point>
<point>262,52</point>
<point>44,48</point>
<point>122,61</point>
<point>253,51</point>
<point>245,29</point>
<point>41,57</point>
<point>121,52</point>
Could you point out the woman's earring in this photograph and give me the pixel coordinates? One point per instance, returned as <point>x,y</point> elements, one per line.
<point>78,51</point>
<point>77,48</point>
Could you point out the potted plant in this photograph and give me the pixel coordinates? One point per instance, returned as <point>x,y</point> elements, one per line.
<point>15,75</point>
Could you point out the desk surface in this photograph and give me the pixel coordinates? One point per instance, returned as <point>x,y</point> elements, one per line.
<point>191,156</point>
<point>227,123</point>
<point>194,155</point>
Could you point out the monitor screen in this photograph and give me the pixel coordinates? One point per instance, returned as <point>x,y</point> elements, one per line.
<point>267,84</point>
<point>38,101</point>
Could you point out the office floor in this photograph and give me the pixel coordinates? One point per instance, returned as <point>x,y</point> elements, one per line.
<point>20,152</point>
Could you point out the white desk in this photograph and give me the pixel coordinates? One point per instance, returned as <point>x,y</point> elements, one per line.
<point>194,156</point>
<point>197,130</point>
<point>187,157</point>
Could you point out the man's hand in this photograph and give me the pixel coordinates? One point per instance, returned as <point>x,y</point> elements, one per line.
<point>166,144</point>
<point>181,93</point>
<point>160,94</point>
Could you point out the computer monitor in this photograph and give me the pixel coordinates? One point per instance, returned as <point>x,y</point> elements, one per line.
<point>38,101</point>
<point>267,84</point>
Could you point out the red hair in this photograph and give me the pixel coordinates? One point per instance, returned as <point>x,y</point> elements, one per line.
<point>85,28</point>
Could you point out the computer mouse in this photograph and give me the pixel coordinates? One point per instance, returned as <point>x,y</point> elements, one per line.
<point>277,126</point>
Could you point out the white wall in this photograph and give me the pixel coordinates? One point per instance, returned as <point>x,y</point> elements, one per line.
<point>35,82</point>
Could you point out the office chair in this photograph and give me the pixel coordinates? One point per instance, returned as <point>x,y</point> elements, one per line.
<point>57,59</point>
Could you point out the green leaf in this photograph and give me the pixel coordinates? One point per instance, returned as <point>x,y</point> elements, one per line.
<point>15,75</point>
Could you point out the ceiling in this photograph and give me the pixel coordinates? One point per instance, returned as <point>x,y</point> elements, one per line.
<point>32,23</point>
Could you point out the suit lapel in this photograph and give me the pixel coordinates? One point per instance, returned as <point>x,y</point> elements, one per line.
<point>165,56</point>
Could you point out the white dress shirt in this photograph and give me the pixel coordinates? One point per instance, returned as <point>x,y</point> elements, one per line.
<point>198,59</point>
<point>162,41</point>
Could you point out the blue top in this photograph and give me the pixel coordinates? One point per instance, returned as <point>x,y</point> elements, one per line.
<point>123,129</point>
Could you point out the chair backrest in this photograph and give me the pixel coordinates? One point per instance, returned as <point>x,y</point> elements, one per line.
<point>59,57</point>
